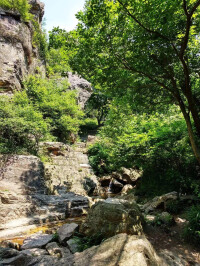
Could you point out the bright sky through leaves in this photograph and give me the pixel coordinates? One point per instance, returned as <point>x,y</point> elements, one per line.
<point>62,13</point>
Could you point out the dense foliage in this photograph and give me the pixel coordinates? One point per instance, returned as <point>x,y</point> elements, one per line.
<point>192,230</point>
<point>60,48</point>
<point>157,144</point>
<point>22,6</point>
<point>148,49</point>
<point>21,125</point>
<point>44,110</point>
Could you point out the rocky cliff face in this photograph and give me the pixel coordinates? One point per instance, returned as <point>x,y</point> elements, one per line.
<point>83,87</point>
<point>18,57</point>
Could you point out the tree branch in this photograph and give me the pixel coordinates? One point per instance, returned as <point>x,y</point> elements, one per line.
<point>185,7</point>
<point>194,8</point>
<point>140,24</point>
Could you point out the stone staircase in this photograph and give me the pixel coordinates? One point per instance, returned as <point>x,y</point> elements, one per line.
<point>35,193</point>
<point>70,172</point>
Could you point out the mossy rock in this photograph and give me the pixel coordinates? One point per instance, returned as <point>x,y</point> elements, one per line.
<point>113,216</point>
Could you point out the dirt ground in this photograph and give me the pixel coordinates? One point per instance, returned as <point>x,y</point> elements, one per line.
<point>171,240</point>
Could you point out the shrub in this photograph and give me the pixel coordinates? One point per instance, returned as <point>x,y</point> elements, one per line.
<point>58,106</point>
<point>44,110</point>
<point>21,127</point>
<point>22,6</point>
<point>89,124</point>
<point>157,144</point>
<point>192,230</point>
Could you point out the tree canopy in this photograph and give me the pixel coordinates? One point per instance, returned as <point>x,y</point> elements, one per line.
<point>146,49</point>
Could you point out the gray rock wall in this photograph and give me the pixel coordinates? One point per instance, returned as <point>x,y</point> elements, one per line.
<point>18,57</point>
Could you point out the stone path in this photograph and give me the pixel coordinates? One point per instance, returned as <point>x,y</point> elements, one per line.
<point>33,193</point>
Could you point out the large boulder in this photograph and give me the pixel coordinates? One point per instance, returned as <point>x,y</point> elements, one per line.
<point>128,176</point>
<point>111,217</point>
<point>83,87</point>
<point>159,202</point>
<point>121,250</point>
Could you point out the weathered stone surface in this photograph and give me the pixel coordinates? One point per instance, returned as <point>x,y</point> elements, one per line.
<point>130,197</point>
<point>20,178</point>
<point>34,252</point>
<point>51,261</point>
<point>91,139</point>
<point>22,188</point>
<point>6,253</point>
<point>159,202</point>
<point>121,250</point>
<point>36,241</point>
<point>65,203</point>
<point>37,9</point>
<point>55,148</point>
<point>54,250</point>
<point>70,171</point>
<point>115,186</point>
<point>18,57</point>
<point>128,176</point>
<point>126,189</point>
<point>66,231</point>
<point>21,259</point>
<point>73,245</point>
<point>113,216</point>
<point>83,87</point>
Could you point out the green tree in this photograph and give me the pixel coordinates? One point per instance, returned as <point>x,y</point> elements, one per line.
<point>60,49</point>
<point>147,48</point>
<point>97,106</point>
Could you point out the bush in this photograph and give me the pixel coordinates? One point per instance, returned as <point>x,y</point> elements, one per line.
<point>44,110</point>
<point>21,127</point>
<point>22,6</point>
<point>192,230</point>
<point>157,144</point>
<point>58,106</point>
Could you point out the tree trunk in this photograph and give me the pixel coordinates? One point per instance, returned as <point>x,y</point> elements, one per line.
<point>195,148</point>
<point>194,112</point>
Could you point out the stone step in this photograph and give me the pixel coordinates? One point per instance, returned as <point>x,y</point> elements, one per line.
<point>26,223</point>
<point>31,220</point>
